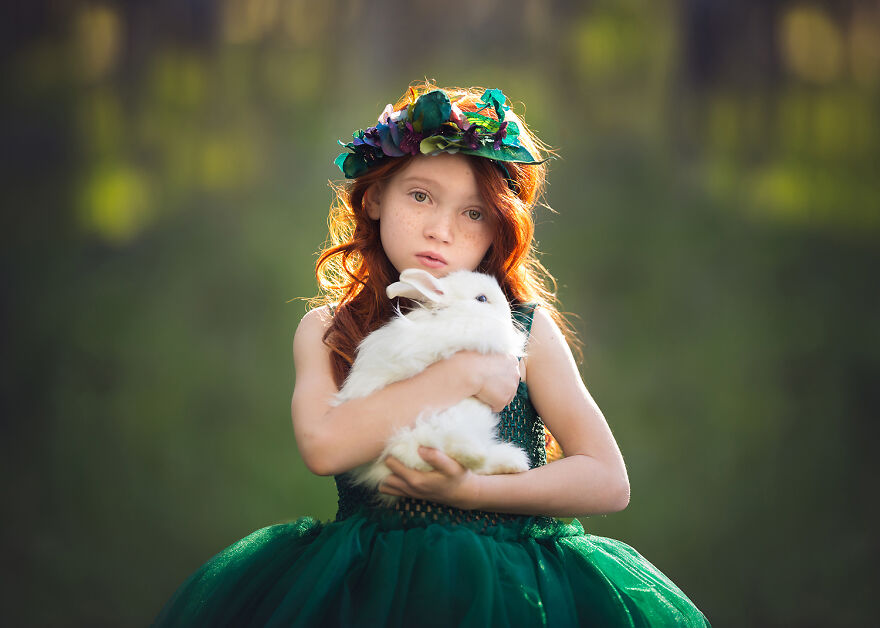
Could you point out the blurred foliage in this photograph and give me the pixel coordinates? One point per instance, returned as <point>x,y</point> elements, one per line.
<point>716,230</point>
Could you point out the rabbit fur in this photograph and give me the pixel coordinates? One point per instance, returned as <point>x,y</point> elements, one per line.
<point>462,311</point>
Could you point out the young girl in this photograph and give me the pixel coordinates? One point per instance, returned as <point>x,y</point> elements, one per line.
<point>447,180</point>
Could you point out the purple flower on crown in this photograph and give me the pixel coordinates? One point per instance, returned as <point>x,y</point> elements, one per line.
<point>371,137</point>
<point>410,140</point>
<point>388,132</point>
<point>471,137</point>
<point>499,135</point>
<point>389,138</point>
<point>393,131</point>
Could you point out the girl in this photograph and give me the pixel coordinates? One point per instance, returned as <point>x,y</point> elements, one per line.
<point>445,181</point>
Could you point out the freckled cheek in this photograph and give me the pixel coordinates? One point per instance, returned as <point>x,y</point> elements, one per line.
<point>478,237</point>
<point>403,222</point>
<point>407,219</point>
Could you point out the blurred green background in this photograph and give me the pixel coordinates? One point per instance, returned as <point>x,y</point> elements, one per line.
<point>716,229</point>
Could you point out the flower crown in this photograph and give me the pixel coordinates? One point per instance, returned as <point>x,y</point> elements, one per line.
<point>431,124</point>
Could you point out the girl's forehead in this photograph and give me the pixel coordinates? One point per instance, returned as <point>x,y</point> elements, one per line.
<point>441,169</point>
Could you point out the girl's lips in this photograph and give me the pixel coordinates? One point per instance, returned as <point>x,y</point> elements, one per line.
<point>430,261</point>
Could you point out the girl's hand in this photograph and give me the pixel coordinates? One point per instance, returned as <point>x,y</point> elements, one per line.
<point>449,482</point>
<point>497,377</point>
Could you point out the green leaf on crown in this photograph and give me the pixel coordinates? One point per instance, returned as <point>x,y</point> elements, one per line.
<point>505,153</point>
<point>430,111</point>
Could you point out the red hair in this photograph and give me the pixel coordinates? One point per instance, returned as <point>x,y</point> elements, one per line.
<point>353,270</point>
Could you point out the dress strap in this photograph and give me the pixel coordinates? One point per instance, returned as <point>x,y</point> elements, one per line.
<point>523,314</point>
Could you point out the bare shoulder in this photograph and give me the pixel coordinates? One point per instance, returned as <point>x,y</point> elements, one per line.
<point>546,345</point>
<point>314,323</point>
<point>320,316</point>
<point>545,338</point>
<point>309,336</point>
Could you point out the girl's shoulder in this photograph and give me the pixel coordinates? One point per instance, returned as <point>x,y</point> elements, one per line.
<point>546,341</point>
<point>544,328</point>
<point>549,355</point>
<point>320,316</point>
<point>312,327</point>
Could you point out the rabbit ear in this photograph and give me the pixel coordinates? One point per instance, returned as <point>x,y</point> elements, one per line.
<point>416,284</point>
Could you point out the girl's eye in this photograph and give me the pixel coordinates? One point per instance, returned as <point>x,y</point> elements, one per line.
<point>475,214</point>
<point>420,197</point>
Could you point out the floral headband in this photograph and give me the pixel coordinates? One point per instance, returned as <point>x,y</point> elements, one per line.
<point>431,125</point>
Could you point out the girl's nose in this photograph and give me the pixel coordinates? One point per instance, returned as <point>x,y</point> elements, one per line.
<point>439,227</point>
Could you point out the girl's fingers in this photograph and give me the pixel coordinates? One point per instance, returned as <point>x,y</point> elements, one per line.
<point>390,490</point>
<point>440,461</point>
<point>397,467</point>
<point>395,482</point>
<point>408,482</point>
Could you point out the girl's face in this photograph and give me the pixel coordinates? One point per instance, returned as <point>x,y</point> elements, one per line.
<point>431,216</point>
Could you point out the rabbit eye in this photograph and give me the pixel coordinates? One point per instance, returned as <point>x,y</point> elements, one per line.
<point>482,298</point>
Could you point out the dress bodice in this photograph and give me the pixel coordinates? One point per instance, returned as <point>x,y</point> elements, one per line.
<point>519,424</point>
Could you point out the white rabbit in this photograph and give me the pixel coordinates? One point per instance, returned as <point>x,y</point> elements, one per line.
<point>461,311</point>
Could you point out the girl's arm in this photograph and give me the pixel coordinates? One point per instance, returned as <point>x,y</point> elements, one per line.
<point>334,439</point>
<point>591,478</point>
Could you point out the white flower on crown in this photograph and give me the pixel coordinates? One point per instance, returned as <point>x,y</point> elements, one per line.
<point>389,115</point>
<point>458,117</point>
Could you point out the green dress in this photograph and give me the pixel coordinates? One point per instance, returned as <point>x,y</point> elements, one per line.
<point>425,564</point>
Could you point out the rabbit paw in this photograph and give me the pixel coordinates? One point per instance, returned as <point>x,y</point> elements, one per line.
<point>467,454</point>
<point>505,458</point>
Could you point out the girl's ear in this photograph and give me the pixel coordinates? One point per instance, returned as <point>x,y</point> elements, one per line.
<point>371,201</point>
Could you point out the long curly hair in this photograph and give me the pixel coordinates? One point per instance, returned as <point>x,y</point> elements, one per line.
<point>353,270</point>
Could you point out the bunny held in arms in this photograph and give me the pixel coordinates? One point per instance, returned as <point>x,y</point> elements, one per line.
<point>461,311</point>
<point>442,186</point>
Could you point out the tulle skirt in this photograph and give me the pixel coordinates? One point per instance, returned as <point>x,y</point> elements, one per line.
<point>369,571</point>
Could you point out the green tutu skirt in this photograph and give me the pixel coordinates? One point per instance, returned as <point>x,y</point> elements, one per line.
<point>370,570</point>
